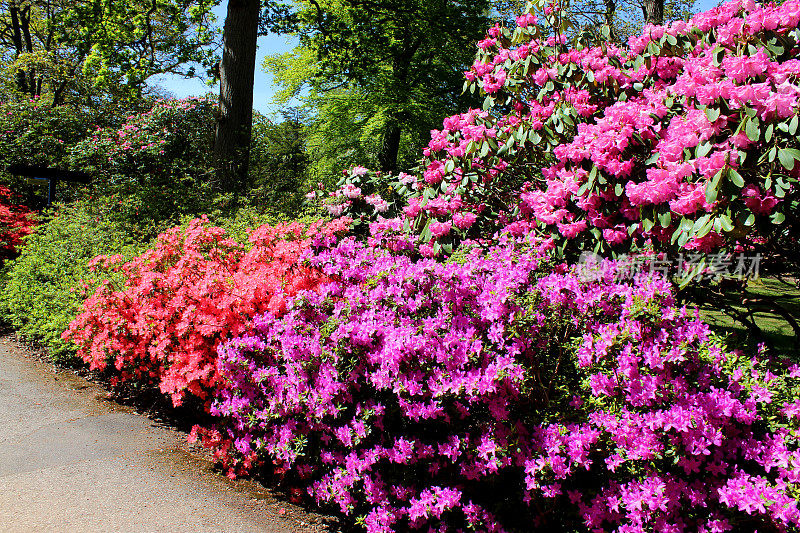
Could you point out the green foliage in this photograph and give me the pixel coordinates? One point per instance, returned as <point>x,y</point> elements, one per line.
<point>42,292</point>
<point>76,50</point>
<point>347,130</point>
<point>377,77</point>
<point>278,162</point>
<point>33,132</point>
<point>157,164</point>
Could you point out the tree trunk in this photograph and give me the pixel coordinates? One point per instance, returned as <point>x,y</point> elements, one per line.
<point>653,11</point>
<point>611,8</point>
<point>22,76</point>
<point>390,145</point>
<point>237,70</point>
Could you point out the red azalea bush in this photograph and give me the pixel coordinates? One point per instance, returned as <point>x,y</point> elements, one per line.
<point>685,139</point>
<point>497,393</point>
<point>178,300</point>
<point>16,221</point>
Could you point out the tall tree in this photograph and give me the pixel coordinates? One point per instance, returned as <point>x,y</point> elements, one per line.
<point>653,11</point>
<point>405,56</point>
<point>69,48</point>
<point>237,71</point>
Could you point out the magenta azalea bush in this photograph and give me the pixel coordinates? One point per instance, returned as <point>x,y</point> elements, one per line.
<point>687,139</point>
<point>496,392</point>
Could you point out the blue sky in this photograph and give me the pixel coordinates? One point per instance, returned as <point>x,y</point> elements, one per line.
<point>263,89</point>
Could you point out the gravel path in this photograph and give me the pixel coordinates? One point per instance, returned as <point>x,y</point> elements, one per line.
<point>72,460</point>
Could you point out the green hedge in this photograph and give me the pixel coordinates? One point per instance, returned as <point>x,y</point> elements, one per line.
<point>41,289</point>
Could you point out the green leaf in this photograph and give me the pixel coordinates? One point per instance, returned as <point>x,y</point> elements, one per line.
<point>699,225</point>
<point>787,157</point>
<point>665,219</point>
<point>750,220</point>
<point>736,178</point>
<point>793,125</point>
<point>768,133</point>
<point>592,177</point>
<point>712,189</point>
<point>726,223</point>
<point>703,149</point>
<point>619,189</point>
<point>776,49</point>
<point>751,130</point>
<point>778,218</point>
<point>712,114</point>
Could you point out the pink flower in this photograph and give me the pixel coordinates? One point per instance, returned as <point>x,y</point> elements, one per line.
<point>572,229</point>
<point>464,220</point>
<point>440,229</point>
<point>523,21</point>
<point>351,191</point>
<point>758,203</point>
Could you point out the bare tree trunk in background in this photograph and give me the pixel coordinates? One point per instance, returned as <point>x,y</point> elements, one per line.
<point>237,71</point>
<point>653,11</point>
<point>21,36</point>
<point>611,8</point>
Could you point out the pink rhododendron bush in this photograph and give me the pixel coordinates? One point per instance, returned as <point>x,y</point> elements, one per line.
<point>685,139</point>
<point>495,392</point>
<point>160,323</point>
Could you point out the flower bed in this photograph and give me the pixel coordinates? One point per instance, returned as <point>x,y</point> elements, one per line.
<point>498,393</point>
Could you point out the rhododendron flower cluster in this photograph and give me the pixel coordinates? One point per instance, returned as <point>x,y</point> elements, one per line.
<point>178,300</point>
<point>686,138</point>
<point>147,134</point>
<point>16,221</point>
<point>494,392</point>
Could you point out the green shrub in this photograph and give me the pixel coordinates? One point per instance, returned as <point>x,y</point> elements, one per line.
<point>158,164</point>
<point>33,132</point>
<point>42,289</point>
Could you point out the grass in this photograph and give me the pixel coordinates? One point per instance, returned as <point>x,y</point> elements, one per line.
<point>721,306</point>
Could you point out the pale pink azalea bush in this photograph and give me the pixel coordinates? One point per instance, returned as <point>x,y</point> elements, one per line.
<point>685,139</point>
<point>496,392</point>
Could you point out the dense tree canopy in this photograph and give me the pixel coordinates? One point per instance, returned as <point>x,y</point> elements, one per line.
<point>404,58</point>
<point>73,49</point>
